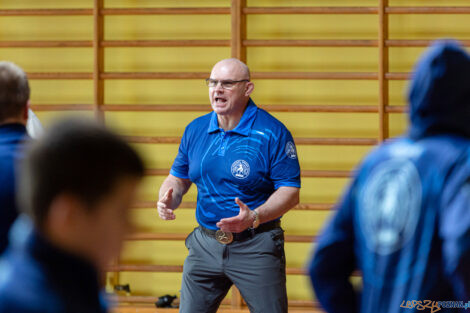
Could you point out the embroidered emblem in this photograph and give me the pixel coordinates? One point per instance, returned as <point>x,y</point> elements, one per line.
<point>290,150</point>
<point>240,169</point>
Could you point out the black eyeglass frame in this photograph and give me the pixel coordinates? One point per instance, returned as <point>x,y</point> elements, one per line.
<point>222,82</point>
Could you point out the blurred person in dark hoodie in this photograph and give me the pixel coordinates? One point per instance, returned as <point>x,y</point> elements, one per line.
<point>77,184</point>
<point>404,221</point>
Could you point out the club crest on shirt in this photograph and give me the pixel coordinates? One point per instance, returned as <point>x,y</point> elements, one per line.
<point>290,150</point>
<point>390,205</point>
<point>240,169</point>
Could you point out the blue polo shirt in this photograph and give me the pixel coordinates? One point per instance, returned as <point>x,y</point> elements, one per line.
<point>250,162</point>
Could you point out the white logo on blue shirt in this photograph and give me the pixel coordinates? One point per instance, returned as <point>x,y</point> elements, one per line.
<point>240,169</point>
<point>290,150</point>
<point>390,206</point>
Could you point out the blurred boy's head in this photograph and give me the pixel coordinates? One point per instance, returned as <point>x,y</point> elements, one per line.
<point>439,93</point>
<point>14,94</point>
<point>77,184</point>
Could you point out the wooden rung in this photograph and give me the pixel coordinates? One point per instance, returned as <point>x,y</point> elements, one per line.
<point>397,109</point>
<point>180,236</point>
<point>206,108</point>
<point>254,75</point>
<point>327,173</point>
<point>155,75</point>
<point>152,299</point>
<point>152,139</point>
<point>300,238</point>
<point>248,10</point>
<point>310,43</point>
<point>165,43</point>
<point>145,268</point>
<point>398,76</point>
<point>45,12</point>
<point>157,236</point>
<point>60,75</point>
<point>156,108</point>
<point>62,107</point>
<point>428,10</point>
<point>336,141</point>
<point>356,10</point>
<point>298,141</point>
<point>217,43</point>
<point>315,75</point>
<point>192,205</point>
<point>304,173</point>
<point>270,108</point>
<point>46,44</point>
<point>173,268</point>
<point>310,10</point>
<point>416,43</point>
<point>170,11</point>
<point>203,75</point>
<point>314,207</point>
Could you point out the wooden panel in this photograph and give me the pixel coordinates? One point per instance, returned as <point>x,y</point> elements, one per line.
<point>329,103</point>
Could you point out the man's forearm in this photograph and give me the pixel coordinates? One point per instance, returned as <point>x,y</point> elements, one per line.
<point>281,201</point>
<point>180,187</point>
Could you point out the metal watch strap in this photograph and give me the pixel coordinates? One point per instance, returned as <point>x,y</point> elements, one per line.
<point>256,221</point>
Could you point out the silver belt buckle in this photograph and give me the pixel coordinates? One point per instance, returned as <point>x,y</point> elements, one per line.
<point>224,237</point>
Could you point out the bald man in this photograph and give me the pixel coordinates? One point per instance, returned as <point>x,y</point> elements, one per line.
<point>244,164</point>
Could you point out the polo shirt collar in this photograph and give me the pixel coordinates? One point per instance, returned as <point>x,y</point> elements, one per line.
<point>244,126</point>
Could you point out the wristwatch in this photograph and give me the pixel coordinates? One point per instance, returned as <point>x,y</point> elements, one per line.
<point>256,221</point>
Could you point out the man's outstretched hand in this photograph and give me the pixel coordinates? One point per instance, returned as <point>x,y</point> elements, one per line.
<point>165,211</point>
<point>238,223</point>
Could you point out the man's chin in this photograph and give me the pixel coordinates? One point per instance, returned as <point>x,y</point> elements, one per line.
<point>220,110</point>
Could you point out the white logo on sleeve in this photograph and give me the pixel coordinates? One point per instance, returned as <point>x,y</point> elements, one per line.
<point>390,206</point>
<point>240,169</point>
<point>290,150</point>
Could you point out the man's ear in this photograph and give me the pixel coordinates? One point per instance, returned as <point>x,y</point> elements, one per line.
<point>249,88</point>
<point>64,212</point>
<point>26,111</point>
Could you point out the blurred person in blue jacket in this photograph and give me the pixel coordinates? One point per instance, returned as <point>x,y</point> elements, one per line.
<point>14,105</point>
<point>76,184</point>
<point>404,221</point>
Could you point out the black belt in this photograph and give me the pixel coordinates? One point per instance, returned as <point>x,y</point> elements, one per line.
<point>228,237</point>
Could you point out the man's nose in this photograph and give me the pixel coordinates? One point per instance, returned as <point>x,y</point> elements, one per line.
<point>218,88</point>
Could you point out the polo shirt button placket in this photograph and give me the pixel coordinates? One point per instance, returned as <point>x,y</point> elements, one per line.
<point>223,143</point>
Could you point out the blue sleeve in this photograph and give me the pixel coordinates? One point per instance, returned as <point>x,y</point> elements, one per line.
<point>455,232</point>
<point>180,167</point>
<point>285,168</point>
<point>333,261</point>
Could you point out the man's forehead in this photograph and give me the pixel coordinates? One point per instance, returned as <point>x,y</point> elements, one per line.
<point>227,70</point>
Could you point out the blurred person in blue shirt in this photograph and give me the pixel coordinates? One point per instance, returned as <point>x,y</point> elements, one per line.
<point>14,104</point>
<point>77,184</point>
<point>404,221</point>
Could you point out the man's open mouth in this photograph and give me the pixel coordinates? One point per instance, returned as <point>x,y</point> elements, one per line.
<point>220,100</point>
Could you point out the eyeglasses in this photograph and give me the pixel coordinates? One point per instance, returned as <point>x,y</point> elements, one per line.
<point>225,84</point>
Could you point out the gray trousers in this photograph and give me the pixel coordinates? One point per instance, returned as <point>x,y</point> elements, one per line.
<point>256,266</point>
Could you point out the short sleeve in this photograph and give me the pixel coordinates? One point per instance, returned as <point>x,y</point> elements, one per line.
<point>285,168</point>
<point>180,167</point>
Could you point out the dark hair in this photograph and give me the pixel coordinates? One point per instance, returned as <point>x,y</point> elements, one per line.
<point>14,90</point>
<point>78,157</point>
